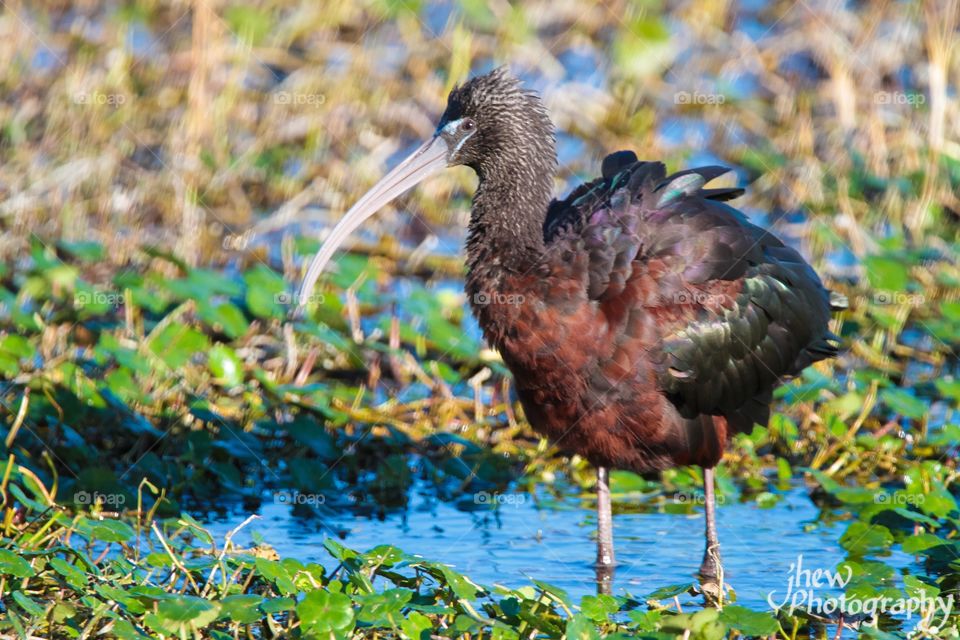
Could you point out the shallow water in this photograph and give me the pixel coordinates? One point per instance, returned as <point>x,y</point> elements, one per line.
<point>525,538</point>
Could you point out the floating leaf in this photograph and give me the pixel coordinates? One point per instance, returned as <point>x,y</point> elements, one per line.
<point>277,574</point>
<point>751,623</point>
<point>385,555</point>
<point>180,614</point>
<point>599,608</point>
<point>921,542</point>
<point>383,609</point>
<point>416,626</point>
<point>242,608</point>
<point>861,537</point>
<point>323,612</point>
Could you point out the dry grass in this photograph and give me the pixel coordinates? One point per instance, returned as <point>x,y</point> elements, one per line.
<point>187,124</point>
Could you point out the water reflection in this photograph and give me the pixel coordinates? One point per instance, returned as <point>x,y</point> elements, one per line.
<point>536,537</point>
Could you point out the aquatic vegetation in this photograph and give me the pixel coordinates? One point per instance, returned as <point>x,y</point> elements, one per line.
<point>152,159</point>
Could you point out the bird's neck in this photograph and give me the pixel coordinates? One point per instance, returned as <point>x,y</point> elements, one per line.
<point>509,208</point>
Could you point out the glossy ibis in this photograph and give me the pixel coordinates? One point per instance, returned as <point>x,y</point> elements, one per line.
<point>644,320</point>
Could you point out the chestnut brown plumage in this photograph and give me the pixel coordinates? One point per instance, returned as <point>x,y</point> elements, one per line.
<point>644,320</point>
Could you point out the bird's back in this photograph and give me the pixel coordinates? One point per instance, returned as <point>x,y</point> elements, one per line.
<point>720,311</point>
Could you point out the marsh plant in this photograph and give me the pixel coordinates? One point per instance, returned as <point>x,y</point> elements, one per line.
<point>159,162</point>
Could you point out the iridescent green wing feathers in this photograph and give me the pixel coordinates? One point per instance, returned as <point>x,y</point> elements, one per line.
<point>736,311</point>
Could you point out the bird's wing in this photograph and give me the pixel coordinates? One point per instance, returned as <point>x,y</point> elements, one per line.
<point>727,310</point>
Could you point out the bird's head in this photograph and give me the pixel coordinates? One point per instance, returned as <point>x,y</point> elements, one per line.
<point>491,115</point>
<point>490,124</point>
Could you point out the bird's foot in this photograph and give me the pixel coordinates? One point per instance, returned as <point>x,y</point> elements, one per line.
<point>711,579</point>
<point>712,591</point>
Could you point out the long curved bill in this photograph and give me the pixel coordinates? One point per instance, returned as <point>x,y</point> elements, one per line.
<point>427,160</point>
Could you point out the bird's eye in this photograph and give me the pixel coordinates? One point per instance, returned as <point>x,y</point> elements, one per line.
<point>468,124</point>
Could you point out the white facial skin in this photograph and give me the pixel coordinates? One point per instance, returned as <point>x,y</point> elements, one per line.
<point>463,127</point>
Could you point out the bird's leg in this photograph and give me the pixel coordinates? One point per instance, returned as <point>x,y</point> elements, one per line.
<point>711,570</point>
<point>604,533</point>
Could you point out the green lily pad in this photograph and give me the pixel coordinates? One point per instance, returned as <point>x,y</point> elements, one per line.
<point>322,612</point>
<point>243,608</point>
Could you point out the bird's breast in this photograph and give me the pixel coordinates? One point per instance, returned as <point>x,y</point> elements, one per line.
<point>583,371</point>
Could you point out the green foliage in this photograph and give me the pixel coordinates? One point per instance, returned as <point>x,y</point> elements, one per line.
<point>160,384</point>
<point>190,347</point>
